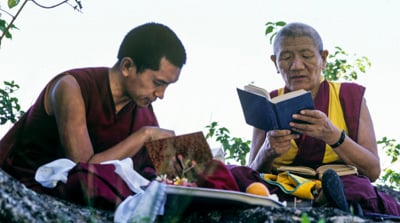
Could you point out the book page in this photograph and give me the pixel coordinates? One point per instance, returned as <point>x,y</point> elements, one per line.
<point>297,169</point>
<point>288,95</point>
<point>340,169</point>
<point>257,90</point>
<point>207,196</point>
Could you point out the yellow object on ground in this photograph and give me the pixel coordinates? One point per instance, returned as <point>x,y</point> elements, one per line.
<point>257,189</point>
<point>293,184</point>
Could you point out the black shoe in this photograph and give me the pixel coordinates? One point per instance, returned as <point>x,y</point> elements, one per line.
<point>332,187</point>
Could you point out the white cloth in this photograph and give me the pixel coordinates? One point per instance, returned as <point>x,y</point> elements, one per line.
<point>124,168</point>
<point>48,175</point>
<point>142,207</point>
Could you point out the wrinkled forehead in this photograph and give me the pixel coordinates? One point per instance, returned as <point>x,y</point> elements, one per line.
<point>294,43</point>
<point>296,31</point>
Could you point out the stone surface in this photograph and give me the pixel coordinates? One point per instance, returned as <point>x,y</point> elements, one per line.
<point>19,204</point>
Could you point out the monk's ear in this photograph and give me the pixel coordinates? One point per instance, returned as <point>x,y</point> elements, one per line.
<point>324,56</point>
<point>127,65</point>
<point>273,58</point>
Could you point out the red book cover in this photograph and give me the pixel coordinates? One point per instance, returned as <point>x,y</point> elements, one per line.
<point>191,146</point>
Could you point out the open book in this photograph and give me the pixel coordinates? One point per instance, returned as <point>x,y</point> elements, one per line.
<point>192,146</point>
<point>340,169</point>
<point>265,113</point>
<point>206,198</point>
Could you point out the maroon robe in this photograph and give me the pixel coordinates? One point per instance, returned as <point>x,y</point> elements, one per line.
<point>357,188</point>
<point>351,96</point>
<point>34,140</point>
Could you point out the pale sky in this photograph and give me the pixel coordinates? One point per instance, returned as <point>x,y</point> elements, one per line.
<point>225,44</point>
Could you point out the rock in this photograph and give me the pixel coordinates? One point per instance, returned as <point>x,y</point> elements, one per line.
<point>264,214</point>
<point>20,204</point>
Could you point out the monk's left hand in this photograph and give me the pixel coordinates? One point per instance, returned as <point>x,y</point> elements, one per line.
<point>317,125</point>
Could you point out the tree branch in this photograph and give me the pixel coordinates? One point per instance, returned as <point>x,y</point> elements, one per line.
<point>49,7</point>
<point>11,15</point>
<point>12,21</point>
<point>77,7</point>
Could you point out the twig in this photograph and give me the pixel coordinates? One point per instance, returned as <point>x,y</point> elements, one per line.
<point>2,10</point>
<point>12,21</point>
<point>49,7</point>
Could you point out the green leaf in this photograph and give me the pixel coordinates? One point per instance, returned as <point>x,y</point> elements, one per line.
<point>2,26</point>
<point>8,35</point>
<point>305,218</point>
<point>12,3</point>
<point>3,23</point>
<point>280,23</point>
<point>269,30</point>
<point>9,107</point>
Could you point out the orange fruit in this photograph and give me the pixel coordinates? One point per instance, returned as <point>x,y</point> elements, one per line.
<point>257,189</point>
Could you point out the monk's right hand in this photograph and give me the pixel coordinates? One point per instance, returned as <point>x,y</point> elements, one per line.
<point>278,141</point>
<point>154,133</point>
